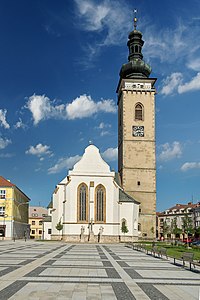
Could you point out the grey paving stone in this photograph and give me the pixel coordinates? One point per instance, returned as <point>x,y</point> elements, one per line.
<point>152,292</point>
<point>122,292</point>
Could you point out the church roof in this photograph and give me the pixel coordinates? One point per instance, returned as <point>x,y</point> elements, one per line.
<point>50,205</point>
<point>117,179</point>
<point>124,197</point>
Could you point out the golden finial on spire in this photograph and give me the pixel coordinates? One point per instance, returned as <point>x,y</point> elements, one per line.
<point>135,18</point>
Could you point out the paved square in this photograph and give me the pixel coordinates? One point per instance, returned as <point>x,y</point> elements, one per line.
<point>55,270</point>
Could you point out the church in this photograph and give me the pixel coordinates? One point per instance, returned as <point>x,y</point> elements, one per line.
<point>94,204</point>
<point>91,205</point>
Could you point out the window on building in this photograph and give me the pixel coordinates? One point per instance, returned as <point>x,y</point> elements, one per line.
<point>40,222</point>
<point>32,231</point>
<point>34,215</point>
<point>40,231</point>
<point>100,204</point>
<point>139,227</point>
<point>2,194</point>
<point>82,203</point>
<point>33,222</point>
<point>139,111</point>
<point>49,231</point>
<point>2,210</point>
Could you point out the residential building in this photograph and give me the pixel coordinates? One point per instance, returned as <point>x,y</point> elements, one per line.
<point>47,222</point>
<point>175,216</point>
<point>36,216</point>
<point>14,206</point>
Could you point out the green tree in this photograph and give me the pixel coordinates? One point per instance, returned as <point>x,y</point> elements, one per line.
<point>165,228</point>
<point>175,230</point>
<point>59,226</point>
<point>124,228</point>
<point>197,232</point>
<point>187,225</point>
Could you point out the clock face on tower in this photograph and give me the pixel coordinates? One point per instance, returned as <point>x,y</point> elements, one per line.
<point>138,131</point>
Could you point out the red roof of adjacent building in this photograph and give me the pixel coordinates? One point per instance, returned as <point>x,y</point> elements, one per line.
<point>5,183</point>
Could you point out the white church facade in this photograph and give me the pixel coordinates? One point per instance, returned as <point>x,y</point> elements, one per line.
<point>90,204</point>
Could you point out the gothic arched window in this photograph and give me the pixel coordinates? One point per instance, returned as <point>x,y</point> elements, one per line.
<point>100,204</point>
<point>82,203</point>
<point>139,112</point>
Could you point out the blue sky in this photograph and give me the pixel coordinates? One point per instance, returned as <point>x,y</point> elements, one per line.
<point>59,66</point>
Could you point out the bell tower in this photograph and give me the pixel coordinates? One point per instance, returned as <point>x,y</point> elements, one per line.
<point>136,133</point>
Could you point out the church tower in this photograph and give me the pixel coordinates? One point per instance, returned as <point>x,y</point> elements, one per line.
<point>136,133</point>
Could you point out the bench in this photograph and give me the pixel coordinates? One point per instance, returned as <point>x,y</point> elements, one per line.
<point>187,256</point>
<point>163,252</point>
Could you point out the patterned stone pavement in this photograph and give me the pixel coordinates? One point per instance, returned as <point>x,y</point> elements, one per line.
<point>55,270</point>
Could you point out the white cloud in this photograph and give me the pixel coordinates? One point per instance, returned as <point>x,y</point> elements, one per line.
<point>170,44</point>
<point>104,17</point>
<point>20,124</point>
<point>39,150</point>
<point>64,164</point>
<point>194,64</point>
<point>190,165</point>
<point>4,142</point>
<point>42,108</point>
<point>171,83</point>
<point>104,128</point>
<point>3,121</point>
<point>111,154</point>
<point>84,106</point>
<point>192,85</point>
<point>170,152</point>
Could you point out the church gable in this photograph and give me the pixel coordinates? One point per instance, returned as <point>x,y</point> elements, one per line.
<point>91,163</point>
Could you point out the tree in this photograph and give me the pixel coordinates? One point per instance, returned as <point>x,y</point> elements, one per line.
<point>175,230</point>
<point>165,228</point>
<point>187,225</point>
<point>197,232</point>
<point>124,228</point>
<point>59,226</point>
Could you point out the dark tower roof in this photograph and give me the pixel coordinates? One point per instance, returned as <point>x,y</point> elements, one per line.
<point>136,66</point>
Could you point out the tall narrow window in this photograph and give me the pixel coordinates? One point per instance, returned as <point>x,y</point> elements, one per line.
<point>82,202</point>
<point>138,112</point>
<point>2,194</point>
<point>100,204</point>
<point>136,49</point>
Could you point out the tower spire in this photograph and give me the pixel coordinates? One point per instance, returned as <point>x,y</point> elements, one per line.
<point>135,18</point>
<point>136,66</point>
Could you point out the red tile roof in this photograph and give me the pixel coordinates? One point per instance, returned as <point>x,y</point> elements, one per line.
<point>5,183</point>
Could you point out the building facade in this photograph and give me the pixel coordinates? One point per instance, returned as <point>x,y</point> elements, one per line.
<point>136,133</point>
<point>170,222</point>
<point>14,206</point>
<point>90,205</point>
<point>36,216</point>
